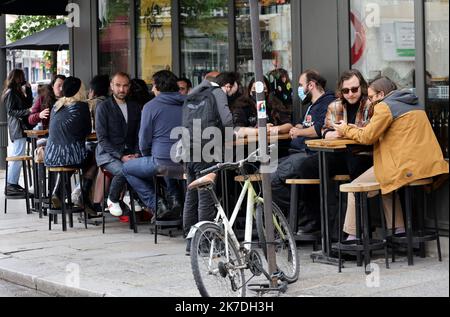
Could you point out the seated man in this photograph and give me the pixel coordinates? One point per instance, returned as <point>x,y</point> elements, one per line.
<point>117,123</point>
<point>355,107</point>
<point>159,118</point>
<point>312,88</point>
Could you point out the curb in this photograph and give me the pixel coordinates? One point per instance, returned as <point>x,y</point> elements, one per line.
<point>50,288</point>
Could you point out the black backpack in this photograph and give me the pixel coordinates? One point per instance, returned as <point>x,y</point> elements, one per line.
<point>200,106</point>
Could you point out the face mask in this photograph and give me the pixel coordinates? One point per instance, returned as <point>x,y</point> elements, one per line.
<point>301,93</point>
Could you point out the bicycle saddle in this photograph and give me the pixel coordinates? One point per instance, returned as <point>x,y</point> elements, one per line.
<point>203,181</point>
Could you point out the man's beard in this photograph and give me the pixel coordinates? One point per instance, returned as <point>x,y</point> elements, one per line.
<point>120,97</point>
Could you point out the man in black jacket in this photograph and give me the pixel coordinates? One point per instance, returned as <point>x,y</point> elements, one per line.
<point>117,123</point>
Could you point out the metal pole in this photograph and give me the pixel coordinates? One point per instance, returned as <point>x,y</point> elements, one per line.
<point>3,116</point>
<point>262,136</point>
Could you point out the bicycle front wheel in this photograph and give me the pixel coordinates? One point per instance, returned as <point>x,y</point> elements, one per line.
<point>214,273</point>
<point>285,245</point>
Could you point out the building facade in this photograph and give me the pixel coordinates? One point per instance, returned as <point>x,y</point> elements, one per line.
<point>406,40</point>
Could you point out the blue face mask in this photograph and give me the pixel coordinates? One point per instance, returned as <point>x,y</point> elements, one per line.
<point>301,94</point>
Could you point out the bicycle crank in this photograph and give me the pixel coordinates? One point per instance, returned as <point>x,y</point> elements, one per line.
<point>255,263</point>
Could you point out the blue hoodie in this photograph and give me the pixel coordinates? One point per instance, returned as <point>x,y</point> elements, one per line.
<point>315,117</point>
<point>159,117</point>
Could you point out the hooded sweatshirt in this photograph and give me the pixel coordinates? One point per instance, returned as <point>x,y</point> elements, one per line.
<point>314,117</point>
<point>221,101</point>
<point>159,117</point>
<point>405,146</point>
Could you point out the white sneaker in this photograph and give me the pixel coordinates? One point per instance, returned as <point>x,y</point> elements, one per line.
<point>137,206</point>
<point>114,209</point>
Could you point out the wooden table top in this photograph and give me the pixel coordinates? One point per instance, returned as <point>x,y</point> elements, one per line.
<point>36,133</point>
<point>92,137</point>
<point>330,144</point>
<point>254,139</point>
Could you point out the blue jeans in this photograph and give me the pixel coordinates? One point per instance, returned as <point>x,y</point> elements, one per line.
<point>118,182</point>
<point>17,149</point>
<point>140,173</point>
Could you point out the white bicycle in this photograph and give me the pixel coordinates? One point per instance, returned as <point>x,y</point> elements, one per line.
<point>219,261</point>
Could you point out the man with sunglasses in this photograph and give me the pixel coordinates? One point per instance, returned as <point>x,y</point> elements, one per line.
<point>352,104</point>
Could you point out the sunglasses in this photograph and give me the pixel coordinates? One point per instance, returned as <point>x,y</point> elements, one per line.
<point>346,91</point>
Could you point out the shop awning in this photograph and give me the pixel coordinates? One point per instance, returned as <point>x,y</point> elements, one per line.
<point>41,7</point>
<point>53,39</point>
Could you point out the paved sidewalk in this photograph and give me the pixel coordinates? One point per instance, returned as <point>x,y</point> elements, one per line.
<point>121,263</point>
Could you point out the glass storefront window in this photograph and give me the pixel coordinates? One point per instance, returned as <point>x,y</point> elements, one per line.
<point>154,37</point>
<point>437,67</point>
<point>383,39</point>
<point>204,38</point>
<point>114,36</point>
<point>276,37</point>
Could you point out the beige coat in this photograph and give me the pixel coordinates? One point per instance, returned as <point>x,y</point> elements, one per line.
<point>405,146</point>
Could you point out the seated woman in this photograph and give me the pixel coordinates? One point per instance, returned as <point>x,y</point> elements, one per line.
<point>400,132</point>
<point>245,112</point>
<point>69,126</point>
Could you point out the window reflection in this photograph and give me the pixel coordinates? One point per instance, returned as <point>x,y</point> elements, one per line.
<point>114,36</point>
<point>204,38</point>
<point>154,37</point>
<point>275,21</point>
<point>437,65</point>
<point>383,39</point>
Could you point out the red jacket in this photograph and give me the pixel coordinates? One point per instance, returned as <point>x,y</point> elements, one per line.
<point>34,118</point>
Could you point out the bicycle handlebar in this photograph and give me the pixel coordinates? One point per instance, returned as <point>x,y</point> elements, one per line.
<point>223,166</point>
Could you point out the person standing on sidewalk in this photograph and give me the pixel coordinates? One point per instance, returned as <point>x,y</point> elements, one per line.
<point>199,205</point>
<point>18,99</point>
<point>117,124</point>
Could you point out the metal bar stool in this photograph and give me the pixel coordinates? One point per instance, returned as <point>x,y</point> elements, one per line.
<point>363,242</point>
<point>421,236</point>
<point>133,221</point>
<point>173,172</point>
<point>25,160</point>
<point>65,173</point>
<point>293,214</point>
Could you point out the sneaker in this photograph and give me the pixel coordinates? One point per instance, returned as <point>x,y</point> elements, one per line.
<point>14,190</point>
<point>351,238</point>
<point>400,231</point>
<point>137,206</point>
<point>114,209</point>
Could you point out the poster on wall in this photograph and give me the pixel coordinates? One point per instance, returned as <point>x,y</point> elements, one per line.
<point>398,41</point>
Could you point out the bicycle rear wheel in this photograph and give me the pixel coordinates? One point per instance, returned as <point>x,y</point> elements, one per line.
<point>213,274</point>
<point>285,245</point>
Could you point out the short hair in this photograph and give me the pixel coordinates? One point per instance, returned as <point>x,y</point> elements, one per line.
<point>100,85</point>
<point>121,74</point>
<point>166,81</point>
<point>383,84</point>
<point>313,75</point>
<point>62,77</point>
<point>187,81</point>
<point>226,78</point>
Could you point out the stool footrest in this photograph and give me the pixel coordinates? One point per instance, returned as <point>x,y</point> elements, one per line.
<point>67,211</point>
<point>352,246</point>
<point>402,239</point>
<point>308,237</point>
<point>169,223</point>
